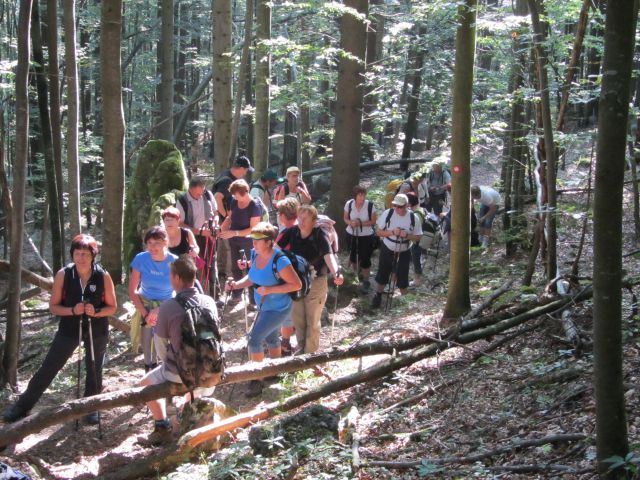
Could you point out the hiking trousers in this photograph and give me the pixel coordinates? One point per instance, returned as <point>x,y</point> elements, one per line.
<point>306,315</point>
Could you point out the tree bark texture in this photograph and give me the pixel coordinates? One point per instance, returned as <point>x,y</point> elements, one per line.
<point>222,78</point>
<point>611,425</point>
<point>262,86</point>
<point>113,137</point>
<point>458,302</point>
<point>166,46</point>
<point>12,335</point>
<point>549,145</point>
<point>413,102</point>
<point>348,119</point>
<point>54,102</point>
<point>375,30</point>
<point>71,72</point>
<point>54,191</point>
<point>242,78</point>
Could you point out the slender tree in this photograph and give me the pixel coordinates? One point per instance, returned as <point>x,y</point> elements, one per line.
<point>165,129</point>
<point>12,337</point>
<point>345,171</point>
<point>547,148</point>
<point>71,74</point>
<point>54,190</point>
<point>222,91</point>
<point>611,425</point>
<point>411,127</point>
<point>262,85</point>
<point>113,137</point>
<point>458,302</point>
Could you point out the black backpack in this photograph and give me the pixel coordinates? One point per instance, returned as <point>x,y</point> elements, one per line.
<point>200,359</point>
<point>369,208</point>
<point>301,266</point>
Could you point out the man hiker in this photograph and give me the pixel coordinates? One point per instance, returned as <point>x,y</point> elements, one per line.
<point>489,202</point>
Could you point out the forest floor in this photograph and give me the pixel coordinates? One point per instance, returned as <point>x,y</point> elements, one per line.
<point>532,386</point>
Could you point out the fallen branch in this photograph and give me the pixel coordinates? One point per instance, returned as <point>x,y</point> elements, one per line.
<point>492,298</point>
<point>416,398</point>
<point>557,376</point>
<point>30,277</point>
<point>532,442</point>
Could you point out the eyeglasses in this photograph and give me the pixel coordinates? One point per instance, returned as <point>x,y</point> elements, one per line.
<point>399,206</point>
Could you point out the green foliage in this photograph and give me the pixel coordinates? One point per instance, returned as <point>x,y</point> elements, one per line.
<point>630,463</point>
<point>158,178</point>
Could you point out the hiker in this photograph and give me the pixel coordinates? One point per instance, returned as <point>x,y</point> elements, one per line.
<point>149,286</point>
<point>243,214</point>
<point>287,218</point>
<point>312,244</point>
<point>263,189</point>
<point>416,184</point>
<point>240,168</point>
<point>195,208</point>
<point>294,187</point>
<point>416,250</point>
<point>360,217</point>
<point>273,277</point>
<point>83,297</point>
<point>181,240</point>
<point>397,227</point>
<point>439,183</point>
<point>489,202</point>
<point>168,341</point>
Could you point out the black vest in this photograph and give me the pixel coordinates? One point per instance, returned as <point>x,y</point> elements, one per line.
<point>72,294</point>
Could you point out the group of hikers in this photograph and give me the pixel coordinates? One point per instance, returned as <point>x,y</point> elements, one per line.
<point>262,244</point>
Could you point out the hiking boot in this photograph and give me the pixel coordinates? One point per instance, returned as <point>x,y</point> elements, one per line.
<point>255,388</point>
<point>14,413</point>
<point>92,418</point>
<point>377,300</point>
<point>285,346</point>
<point>364,287</point>
<point>161,435</point>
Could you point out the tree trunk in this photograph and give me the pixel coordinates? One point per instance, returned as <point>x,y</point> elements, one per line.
<point>290,143</point>
<point>113,142</point>
<point>242,78</point>
<point>12,336</point>
<point>51,30</point>
<point>222,78</point>
<point>413,102</point>
<point>166,47</point>
<point>611,425</point>
<point>374,32</point>
<point>46,142</point>
<point>458,301</point>
<point>71,72</point>
<point>262,83</point>
<point>5,197</point>
<point>348,125</point>
<point>573,63</point>
<point>549,145</point>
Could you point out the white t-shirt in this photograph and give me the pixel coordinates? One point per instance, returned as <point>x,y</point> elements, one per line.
<point>393,242</point>
<point>361,214</point>
<point>489,197</point>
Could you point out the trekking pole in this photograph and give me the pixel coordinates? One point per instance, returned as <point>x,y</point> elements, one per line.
<point>79,366</point>
<point>393,280</point>
<point>244,293</point>
<point>358,231</point>
<point>335,312</point>
<point>94,372</point>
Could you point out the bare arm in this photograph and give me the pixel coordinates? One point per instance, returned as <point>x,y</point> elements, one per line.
<point>334,268</point>
<point>134,283</point>
<point>55,302</point>
<point>291,282</point>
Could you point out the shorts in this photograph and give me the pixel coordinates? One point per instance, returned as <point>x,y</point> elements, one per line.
<point>162,374</point>
<point>385,267</point>
<point>361,249</point>
<point>487,222</point>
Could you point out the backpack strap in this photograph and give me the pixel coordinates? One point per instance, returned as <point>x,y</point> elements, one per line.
<point>351,202</point>
<point>387,221</point>
<point>412,217</point>
<point>258,185</point>
<point>274,264</point>
<point>370,209</point>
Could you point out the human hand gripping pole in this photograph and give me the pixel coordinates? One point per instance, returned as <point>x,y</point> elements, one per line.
<point>244,290</point>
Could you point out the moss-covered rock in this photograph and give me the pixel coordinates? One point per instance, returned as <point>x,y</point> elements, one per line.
<point>158,178</point>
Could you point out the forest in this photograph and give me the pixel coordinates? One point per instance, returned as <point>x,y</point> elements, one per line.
<point>500,339</point>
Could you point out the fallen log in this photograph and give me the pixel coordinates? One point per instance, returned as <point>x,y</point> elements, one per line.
<point>30,277</point>
<point>477,457</point>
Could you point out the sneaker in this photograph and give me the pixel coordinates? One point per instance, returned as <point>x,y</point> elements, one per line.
<point>14,413</point>
<point>377,300</point>
<point>255,388</point>
<point>92,418</point>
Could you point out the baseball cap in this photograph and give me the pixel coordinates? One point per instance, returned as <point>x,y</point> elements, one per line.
<point>400,200</point>
<point>243,162</point>
<point>292,170</point>
<point>270,175</point>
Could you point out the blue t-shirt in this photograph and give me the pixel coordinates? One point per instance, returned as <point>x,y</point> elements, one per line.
<point>154,276</point>
<point>264,277</point>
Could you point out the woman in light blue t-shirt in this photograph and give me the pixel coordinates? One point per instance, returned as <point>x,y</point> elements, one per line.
<point>271,295</point>
<point>149,286</point>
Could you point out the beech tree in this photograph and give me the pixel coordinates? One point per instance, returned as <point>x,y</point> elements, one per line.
<point>113,143</point>
<point>345,171</point>
<point>262,86</point>
<point>611,425</point>
<point>165,129</point>
<point>458,302</point>
<point>222,73</point>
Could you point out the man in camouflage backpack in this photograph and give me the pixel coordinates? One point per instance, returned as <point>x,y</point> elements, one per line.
<point>175,321</point>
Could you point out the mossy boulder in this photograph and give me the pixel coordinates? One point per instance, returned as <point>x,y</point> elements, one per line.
<point>158,179</point>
